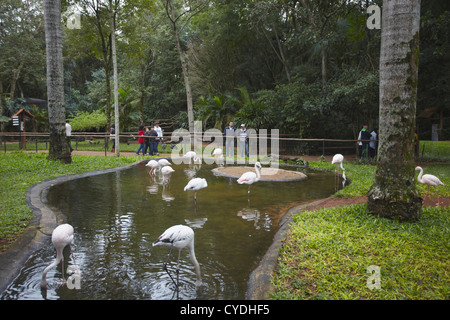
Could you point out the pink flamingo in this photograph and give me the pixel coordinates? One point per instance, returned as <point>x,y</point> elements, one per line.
<point>429,180</point>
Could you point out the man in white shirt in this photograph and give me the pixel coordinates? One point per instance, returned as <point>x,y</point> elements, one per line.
<point>158,130</point>
<point>243,140</point>
<point>68,135</point>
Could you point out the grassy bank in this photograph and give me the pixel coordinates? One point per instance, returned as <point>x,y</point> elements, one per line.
<point>19,171</point>
<point>327,252</point>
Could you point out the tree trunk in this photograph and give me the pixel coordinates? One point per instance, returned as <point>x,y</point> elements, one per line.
<point>184,67</point>
<point>58,149</point>
<point>116,85</point>
<point>324,65</point>
<point>394,194</point>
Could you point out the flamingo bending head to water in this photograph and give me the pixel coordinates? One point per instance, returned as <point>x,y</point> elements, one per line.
<point>62,236</point>
<point>179,237</point>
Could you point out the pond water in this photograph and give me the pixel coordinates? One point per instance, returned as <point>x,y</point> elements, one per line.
<point>117,216</point>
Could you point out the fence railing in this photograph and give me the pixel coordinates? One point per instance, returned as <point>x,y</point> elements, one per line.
<point>100,141</point>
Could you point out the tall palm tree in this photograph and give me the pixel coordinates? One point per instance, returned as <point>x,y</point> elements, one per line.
<point>55,82</point>
<point>394,193</point>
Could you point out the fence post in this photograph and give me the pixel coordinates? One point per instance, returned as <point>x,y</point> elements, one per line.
<point>323,148</point>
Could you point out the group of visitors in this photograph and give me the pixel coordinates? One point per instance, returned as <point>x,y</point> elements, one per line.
<point>230,132</point>
<point>149,139</point>
<point>367,142</point>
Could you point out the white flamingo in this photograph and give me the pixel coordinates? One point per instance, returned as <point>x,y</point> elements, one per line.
<point>179,237</point>
<point>163,162</point>
<point>192,156</point>
<point>338,159</point>
<point>429,180</point>
<point>250,177</point>
<point>195,185</point>
<point>166,170</point>
<point>153,164</point>
<point>62,236</point>
<point>218,153</point>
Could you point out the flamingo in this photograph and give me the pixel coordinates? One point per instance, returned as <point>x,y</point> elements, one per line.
<point>166,170</point>
<point>250,177</point>
<point>163,162</point>
<point>62,236</point>
<point>195,185</point>
<point>338,159</point>
<point>192,156</point>
<point>219,154</point>
<point>179,237</point>
<point>429,180</point>
<point>153,164</point>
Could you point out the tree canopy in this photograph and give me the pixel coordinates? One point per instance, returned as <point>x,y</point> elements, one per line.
<point>308,68</point>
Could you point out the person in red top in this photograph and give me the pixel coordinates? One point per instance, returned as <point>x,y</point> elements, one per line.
<point>141,140</point>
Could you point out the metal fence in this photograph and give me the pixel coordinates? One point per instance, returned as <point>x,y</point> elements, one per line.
<point>288,147</point>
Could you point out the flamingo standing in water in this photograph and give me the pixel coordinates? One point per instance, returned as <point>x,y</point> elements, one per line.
<point>192,156</point>
<point>166,170</point>
<point>429,180</point>
<point>62,236</point>
<point>179,237</point>
<point>195,185</point>
<point>338,159</point>
<point>218,153</point>
<point>250,177</point>
<point>163,163</point>
<point>153,164</point>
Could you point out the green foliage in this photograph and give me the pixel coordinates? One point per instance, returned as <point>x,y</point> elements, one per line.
<point>89,121</point>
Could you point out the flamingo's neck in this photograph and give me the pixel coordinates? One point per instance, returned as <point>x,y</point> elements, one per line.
<point>195,262</point>
<point>258,174</point>
<point>419,178</point>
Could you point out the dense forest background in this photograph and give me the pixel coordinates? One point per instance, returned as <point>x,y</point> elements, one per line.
<point>308,68</point>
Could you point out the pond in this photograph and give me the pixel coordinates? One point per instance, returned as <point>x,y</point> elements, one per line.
<point>117,216</point>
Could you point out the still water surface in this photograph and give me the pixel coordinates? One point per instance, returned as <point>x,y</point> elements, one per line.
<point>117,216</point>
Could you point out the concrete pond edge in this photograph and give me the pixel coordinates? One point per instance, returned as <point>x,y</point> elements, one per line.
<point>45,219</point>
<point>39,230</point>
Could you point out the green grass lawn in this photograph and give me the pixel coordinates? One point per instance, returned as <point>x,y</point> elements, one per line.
<point>327,252</point>
<point>19,171</point>
<point>86,145</point>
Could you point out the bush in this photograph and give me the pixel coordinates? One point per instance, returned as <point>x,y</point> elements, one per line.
<point>89,121</point>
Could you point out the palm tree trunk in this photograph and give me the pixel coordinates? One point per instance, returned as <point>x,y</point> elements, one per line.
<point>394,193</point>
<point>58,149</point>
<point>184,67</point>
<point>116,85</point>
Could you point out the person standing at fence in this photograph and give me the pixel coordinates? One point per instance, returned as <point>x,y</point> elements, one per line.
<point>112,136</point>
<point>147,141</point>
<point>243,140</point>
<point>373,144</point>
<point>229,133</point>
<point>69,135</point>
<point>363,142</point>
<point>158,130</point>
<point>141,140</point>
<point>153,143</point>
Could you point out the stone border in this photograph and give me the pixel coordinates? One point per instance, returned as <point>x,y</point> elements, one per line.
<point>44,220</point>
<point>259,284</point>
<point>39,230</point>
